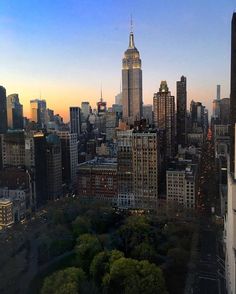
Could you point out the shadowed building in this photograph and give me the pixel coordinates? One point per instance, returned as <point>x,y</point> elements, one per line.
<point>3,110</point>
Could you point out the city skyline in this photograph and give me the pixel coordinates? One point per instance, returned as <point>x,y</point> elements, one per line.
<point>64,71</point>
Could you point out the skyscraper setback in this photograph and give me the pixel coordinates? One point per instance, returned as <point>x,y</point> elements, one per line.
<point>132,97</point>
<point>181,110</point>
<point>233,95</point>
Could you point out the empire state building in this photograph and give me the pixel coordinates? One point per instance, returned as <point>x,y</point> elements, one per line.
<point>132,97</point>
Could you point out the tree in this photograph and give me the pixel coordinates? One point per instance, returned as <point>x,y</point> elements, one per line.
<point>144,251</point>
<point>133,232</point>
<point>132,276</point>
<point>66,281</point>
<point>101,264</point>
<point>87,247</point>
<point>81,225</point>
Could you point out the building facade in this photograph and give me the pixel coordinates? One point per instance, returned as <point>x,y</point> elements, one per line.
<point>75,120</point>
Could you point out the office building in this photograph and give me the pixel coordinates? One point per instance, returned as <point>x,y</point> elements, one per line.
<point>97,180</point>
<point>218,92</point>
<point>111,124</point>
<point>225,111</point>
<point>132,97</point>
<point>75,120</point>
<point>3,110</point>
<point>54,167</point>
<point>13,149</point>
<point>146,165</point>
<point>14,112</point>
<point>147,113</point>
<point>181,96</point>
<point>164,116</point>
<point>69,158</point>
<point>125,197</point>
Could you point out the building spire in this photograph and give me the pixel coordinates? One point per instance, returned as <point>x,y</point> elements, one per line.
<point>131,35</point>
<point>101,99</point>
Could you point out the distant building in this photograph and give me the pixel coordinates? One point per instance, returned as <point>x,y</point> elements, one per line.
<point>6,213</point>
<point>132,97</point>
<point>111,124</point>
<point>14,112</point>
<point>85,110</point>
<point>164,116</point>
<point>3,110</point>
<point>218,92</point>
<point>118,99</point>
<point>181,98</point>
<point>38,111</point>
<point>181,184</point>
<point>97,180</point>
<point>75,120</point>
<point>147,113</point>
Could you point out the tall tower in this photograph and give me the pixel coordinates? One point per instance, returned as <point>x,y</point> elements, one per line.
<point>233,95</point>
<point>132,97</point>
<point>3,110</point>
<point>181,111</point>
<point>164,116</point>
<point>14,112</point>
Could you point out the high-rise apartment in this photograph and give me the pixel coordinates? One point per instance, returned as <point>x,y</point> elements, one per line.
<point>132,97</point>
<point>3,110</point>
<point>14,112</point>
<point>181,96</point>
<point>164,116</point>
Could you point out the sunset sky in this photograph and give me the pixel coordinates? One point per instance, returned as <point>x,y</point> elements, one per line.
<point>64,49</point>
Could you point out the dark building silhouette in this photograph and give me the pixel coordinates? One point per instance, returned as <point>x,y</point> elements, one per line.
<point>75,120</point>
<point>181,96</point>
<point>3,110</point>
<point>233,94</point>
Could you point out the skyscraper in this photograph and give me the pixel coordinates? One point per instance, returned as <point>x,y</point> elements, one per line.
<point>233,94</point>
<point>3,110</point>
<point>38,111</point>
<point>218,92</point>
<point>132,97</point>
<point>75,120</point>
<point>181,93</point>
<point>14,112</point>
<point>164,116</point>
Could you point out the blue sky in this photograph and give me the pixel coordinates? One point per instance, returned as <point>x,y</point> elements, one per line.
<point>66,49</point>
